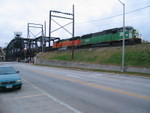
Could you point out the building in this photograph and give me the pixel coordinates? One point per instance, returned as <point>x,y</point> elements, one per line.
<point>2,55</point>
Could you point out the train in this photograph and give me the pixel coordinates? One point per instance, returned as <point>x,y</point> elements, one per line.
<point>110,37</point>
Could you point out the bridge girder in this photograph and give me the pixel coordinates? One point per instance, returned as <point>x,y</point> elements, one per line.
<point>25,48</point>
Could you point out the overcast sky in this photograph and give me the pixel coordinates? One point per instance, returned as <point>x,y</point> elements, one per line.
<point>90,16</point>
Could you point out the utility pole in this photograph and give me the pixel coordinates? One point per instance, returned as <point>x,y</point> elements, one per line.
<point>73,33</point>
<point>123,40</point>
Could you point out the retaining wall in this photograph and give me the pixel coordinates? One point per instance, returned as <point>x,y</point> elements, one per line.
<point>91,66</point>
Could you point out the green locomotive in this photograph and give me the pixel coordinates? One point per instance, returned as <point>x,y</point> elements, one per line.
<point>112,36</point>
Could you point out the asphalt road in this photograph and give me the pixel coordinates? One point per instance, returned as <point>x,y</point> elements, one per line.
<point>57,90</point>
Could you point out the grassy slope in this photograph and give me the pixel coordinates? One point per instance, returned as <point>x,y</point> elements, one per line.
<point>137,55</point>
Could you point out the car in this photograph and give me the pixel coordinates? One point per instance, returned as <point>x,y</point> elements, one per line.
<point>9,78</point>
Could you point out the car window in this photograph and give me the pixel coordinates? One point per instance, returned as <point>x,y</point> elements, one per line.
<point>7,70</point>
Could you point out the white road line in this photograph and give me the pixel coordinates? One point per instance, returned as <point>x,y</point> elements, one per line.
<point>53,98</point>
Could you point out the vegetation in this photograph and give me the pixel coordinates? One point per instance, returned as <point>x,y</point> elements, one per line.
<point>136,55</point>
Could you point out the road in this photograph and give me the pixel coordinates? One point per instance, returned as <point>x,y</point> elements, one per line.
<point>57,90</point>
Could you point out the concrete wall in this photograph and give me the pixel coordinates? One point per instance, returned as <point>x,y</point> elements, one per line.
<point>90,66</point>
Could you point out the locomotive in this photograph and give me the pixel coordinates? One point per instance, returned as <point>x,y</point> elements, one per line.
<point>111,37</point>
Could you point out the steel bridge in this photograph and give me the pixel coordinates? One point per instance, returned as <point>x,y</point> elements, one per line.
<point>21,49</point>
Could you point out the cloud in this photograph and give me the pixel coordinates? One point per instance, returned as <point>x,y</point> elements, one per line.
<point>15,14</point>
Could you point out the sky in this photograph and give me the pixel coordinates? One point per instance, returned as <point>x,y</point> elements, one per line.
<point>90,16</point>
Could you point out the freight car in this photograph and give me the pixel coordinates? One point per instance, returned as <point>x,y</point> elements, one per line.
<point>111,37</point>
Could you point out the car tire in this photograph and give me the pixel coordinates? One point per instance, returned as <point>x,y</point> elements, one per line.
<point>19,87</point>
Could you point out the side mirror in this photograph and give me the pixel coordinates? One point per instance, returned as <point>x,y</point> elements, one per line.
<point>17,71</point>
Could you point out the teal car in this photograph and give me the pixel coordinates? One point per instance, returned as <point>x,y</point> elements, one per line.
<point>9,78</point>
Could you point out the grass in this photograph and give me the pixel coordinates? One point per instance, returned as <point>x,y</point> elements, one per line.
<point>136,55</point>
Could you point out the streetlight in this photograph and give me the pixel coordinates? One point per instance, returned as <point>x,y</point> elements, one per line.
<point>123,40</point>
<point>73,32</point>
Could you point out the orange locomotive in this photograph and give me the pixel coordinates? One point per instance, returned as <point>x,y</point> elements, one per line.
<point>66,43</point>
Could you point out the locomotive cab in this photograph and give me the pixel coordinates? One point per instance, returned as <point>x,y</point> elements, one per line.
<point>136,36</point>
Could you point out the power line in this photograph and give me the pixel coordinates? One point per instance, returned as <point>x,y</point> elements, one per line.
<point>115,15</point>
<point>138,9</point>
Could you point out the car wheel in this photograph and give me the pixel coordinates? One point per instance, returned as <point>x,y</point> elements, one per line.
<point>19,87</point>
